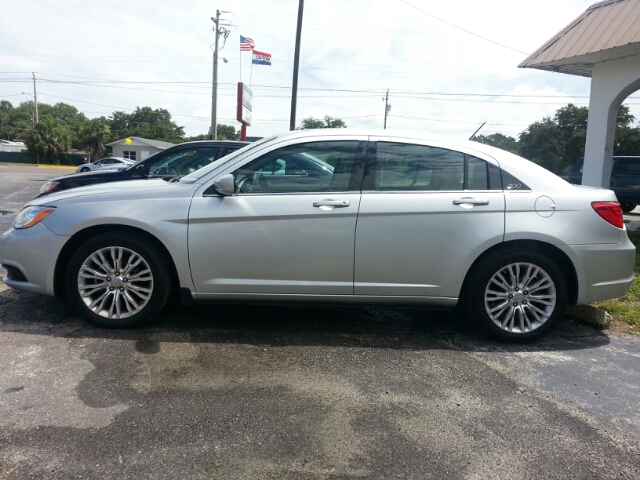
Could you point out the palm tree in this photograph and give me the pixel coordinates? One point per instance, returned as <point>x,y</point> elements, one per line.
<point>48,139</point>
<point>94,134</point>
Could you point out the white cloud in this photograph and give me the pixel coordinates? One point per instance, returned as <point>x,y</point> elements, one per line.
<point>351,53</point>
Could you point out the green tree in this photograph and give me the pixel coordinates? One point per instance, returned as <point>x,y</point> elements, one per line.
<point>146,123</point>
<point>195,138</point>
<point>94,135</point>
<point>311,123</point>
<point>499,140</point>
<point>627,139</point>
<point>542,142</point>
<point>556,143</point>
<point>572,122</point>
<point>5,107</point>
<point>47,139</point>
<point>227,132</point>
<point>15,121</point>
<point>67,116</point>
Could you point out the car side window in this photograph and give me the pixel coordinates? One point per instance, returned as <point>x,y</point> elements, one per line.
<point>401,166</point>
<point>628,166</point>
<point>308,167</point>
<point>184,162</point>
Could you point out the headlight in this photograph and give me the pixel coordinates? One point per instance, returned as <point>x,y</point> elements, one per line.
<point>29,216</point>
<point>47,187</point>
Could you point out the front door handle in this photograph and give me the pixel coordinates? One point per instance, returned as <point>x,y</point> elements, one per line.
<point>332,203</point>
<point>471,201</point>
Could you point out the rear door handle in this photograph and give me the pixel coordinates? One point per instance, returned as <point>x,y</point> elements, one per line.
<point>471,201</point>
<point>332,203</point>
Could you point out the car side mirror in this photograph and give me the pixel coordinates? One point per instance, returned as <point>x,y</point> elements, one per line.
<point>225,185</point>
<point>141,171</point>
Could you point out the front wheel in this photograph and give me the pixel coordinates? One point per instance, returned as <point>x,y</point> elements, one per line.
<point>517,296</point>
<point>85,169</point>
<point>118,280</point>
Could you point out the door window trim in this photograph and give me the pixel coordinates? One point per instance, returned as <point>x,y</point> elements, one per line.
<point>355,182</point>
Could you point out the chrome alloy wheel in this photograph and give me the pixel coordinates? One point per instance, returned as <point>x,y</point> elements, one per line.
<point>115,282</point>
<point>520,297</point>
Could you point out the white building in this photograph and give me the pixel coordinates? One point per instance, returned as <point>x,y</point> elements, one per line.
<point>603,43</point>
<point>136,148</point>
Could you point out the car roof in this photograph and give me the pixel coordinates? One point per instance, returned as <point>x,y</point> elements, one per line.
<point>212,142</point>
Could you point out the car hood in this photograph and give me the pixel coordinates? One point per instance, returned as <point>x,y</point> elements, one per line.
<point>100,173</point>
<point>126,191</point>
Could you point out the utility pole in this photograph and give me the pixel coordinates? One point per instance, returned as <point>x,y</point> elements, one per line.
<point>218,31</point>
<point>296,65</point>
<point>387,108</point>
<point>214,87</point>
<point>35,97</point>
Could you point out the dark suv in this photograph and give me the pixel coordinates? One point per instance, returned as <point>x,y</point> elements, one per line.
<point>180,159</point>
<point>625,180</point>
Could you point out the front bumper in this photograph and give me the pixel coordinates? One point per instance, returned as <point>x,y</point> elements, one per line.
<point>33,251</point>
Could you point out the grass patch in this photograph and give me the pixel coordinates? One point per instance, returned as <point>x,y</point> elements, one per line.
<point>626,309</point>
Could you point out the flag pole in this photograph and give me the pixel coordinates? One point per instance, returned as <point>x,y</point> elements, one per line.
<point>251,71</point>
<point>240,62</point>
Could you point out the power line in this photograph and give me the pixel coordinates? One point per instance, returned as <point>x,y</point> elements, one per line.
<point>462,29</point>
<point>372,92</point>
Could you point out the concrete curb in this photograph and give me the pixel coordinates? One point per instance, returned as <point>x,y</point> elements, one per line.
<point>588,314</point>
<point>57,166</point>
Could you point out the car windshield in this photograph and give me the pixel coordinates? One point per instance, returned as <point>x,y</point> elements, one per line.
<point>198,174</point>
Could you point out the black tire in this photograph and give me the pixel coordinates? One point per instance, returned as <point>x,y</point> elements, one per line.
<point>118,294</point>
<point>627,207</point>
<point>85,169</point>
<point>526,315</point>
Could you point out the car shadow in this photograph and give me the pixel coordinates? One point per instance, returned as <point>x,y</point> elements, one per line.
<point>269,325</point>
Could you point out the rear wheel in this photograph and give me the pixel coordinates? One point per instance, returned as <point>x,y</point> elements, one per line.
<point>627,206</point>
<point>118,280</point>
<point>517,296</point>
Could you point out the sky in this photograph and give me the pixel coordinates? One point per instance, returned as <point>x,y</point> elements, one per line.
<point>449,66</point>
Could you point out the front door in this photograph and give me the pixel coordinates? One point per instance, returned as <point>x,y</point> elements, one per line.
<point>288,229</point>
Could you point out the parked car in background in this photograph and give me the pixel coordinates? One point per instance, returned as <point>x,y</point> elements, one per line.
<point>107,162</point>
<point>334,216</point>
<point>180,159</point>
<point>625,179</point>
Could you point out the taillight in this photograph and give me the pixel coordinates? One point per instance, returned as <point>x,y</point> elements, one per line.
<point>610,211</point>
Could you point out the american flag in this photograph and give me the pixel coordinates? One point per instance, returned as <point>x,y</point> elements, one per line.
<point>246,44</point>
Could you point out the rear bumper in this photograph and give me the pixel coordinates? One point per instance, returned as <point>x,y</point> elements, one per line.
<point>604,271</point>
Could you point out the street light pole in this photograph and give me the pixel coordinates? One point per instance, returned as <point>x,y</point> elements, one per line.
<point>214,87</point>
<point>35,97</point>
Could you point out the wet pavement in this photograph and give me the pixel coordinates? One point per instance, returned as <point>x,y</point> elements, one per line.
<point>239,392</point>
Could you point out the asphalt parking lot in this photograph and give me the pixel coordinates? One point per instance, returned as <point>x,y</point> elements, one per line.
<point>235,392</point>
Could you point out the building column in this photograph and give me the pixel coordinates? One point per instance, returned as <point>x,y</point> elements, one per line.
<point>611,83</point>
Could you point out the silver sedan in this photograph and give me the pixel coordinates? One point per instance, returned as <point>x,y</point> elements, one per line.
<point>332,216</point>
<point>105,163</point>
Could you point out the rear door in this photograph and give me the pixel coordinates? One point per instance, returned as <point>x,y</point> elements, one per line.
<point>426,213</point>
